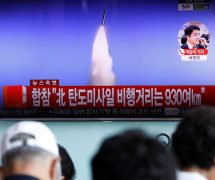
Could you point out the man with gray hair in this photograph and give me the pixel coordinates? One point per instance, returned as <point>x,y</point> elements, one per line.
<point>29,151</point>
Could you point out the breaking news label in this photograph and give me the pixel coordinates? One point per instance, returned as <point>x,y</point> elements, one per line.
<point>50,101</point>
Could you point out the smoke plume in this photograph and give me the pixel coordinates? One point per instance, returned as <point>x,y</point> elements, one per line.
<point>101,69</point>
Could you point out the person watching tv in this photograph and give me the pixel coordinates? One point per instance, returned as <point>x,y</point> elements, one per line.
<point>29,151</point>
<point>193,144</point>
<point>132,155</point>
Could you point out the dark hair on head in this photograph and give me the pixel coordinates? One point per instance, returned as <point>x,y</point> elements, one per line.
<point>67,166</point>
<point>190,29</point>
<point>132,155</point>
<point>193,142</point>
<point>183,39</point>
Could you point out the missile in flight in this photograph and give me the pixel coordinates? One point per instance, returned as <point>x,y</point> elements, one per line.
<point>103,17</point>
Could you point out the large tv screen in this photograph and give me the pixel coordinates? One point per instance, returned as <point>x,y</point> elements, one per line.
<point>165,46</point>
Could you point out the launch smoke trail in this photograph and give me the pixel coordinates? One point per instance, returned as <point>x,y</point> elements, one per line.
<point>101,69</point>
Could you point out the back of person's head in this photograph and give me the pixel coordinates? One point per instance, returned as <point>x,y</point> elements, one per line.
<point>193,142</point>
<point>190,29</point>
<point>30,148</point>
<point>68,169</point>
<point>132,155</point>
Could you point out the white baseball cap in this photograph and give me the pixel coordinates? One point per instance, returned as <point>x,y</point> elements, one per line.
<point>30,133</point>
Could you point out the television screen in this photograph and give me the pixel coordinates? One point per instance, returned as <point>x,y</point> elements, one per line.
<point>163,50</point>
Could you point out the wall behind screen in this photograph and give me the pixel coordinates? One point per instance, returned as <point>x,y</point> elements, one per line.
<point>82,139</point>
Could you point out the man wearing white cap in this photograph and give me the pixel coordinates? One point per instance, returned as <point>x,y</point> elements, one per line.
<point>29,151</point>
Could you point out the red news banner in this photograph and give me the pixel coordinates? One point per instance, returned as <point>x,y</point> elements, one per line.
<point>194,52</point>
<point>54,96</point>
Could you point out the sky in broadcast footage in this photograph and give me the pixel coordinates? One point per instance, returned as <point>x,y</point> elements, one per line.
<point>54,39</point>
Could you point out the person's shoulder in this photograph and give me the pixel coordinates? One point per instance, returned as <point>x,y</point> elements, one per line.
<point>184,46</point>
<point>184,175</point>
